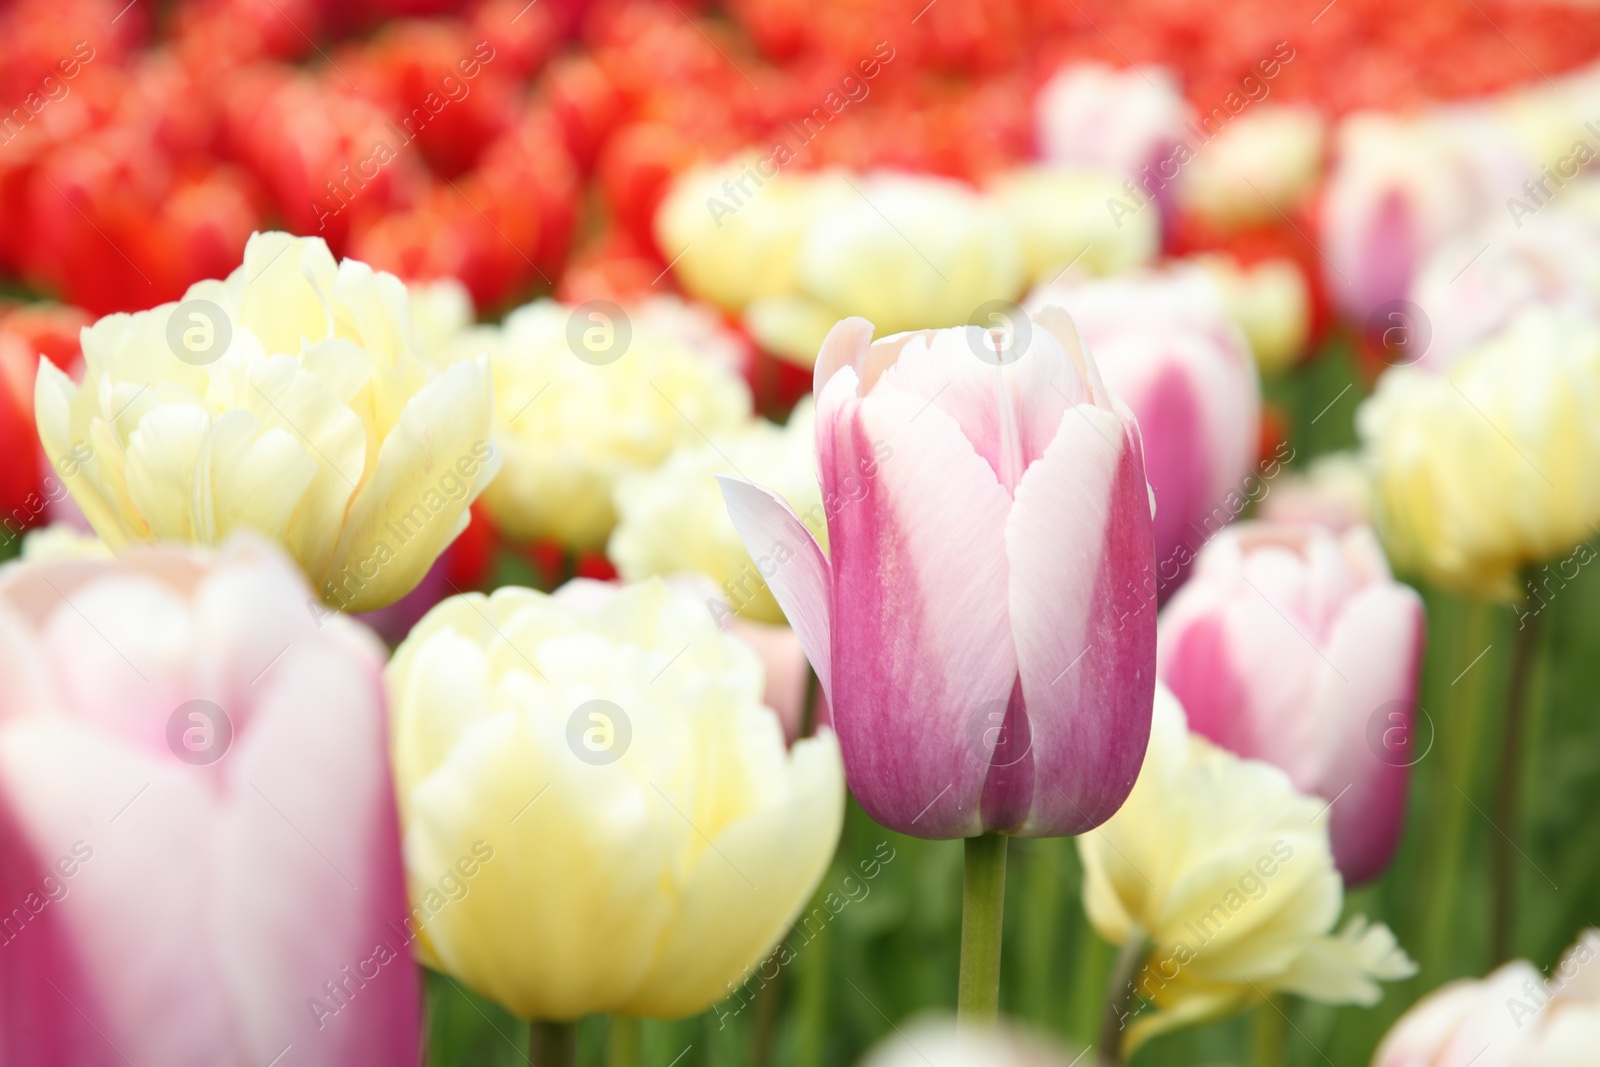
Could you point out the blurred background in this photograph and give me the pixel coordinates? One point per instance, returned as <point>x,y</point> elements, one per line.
<point>1339,156</point>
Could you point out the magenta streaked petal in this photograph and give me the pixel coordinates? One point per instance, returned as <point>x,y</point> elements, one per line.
<point>921,641</point>
<point>788,558</point>
<point>1082,608</point>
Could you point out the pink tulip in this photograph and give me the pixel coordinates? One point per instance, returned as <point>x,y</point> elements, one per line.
<point>1293,645</point>
<point>1165,344</point>
<point>975,626</point>
<point>199,855</point>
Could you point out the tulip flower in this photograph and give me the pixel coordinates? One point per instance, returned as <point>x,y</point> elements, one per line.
<point>672,519</point>
<point>1165,344</point>
<point>1270,302</point>
<point>1267,160</point>
<point>936,1042</point>
<point>1286,645</point>
<point>1218,876</point>
<point>1400,188</point>
<point>1060,219</point>
<point>652,836</point>
<point>1490,465</point>
<point>1116,121</point>
<point>947,619</point>
<point>583,396</point>
<point>195,810</point>
<point>289,399</point>
<point>1516,1017</point>
<point>1335,492</point>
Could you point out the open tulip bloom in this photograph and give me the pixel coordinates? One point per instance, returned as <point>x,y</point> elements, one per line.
<point>984,623</point>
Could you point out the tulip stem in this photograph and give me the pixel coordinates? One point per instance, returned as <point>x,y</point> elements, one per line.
<point>1508,786</point>
<point>622,1050</point>
<point>808,710</point>
<point>983,902</point>
<point>552,1044</point>
<point>1119,997</point>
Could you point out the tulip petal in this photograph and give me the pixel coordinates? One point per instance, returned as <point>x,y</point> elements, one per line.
<point>922,648</point>
<point>1081,589</point>
<point>799,573</point>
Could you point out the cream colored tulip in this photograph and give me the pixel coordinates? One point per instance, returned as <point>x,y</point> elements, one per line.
<point>1226,874</point>
<point>1493,463</point>
<point>1270,302</point>
<point>289,399</point>
<point>584,396</point>
<point>1060,219</point>
<point>1265,161</point>
<point>652,836</point>
<point>672,520</point>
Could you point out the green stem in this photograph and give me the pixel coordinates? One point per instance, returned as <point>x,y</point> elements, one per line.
<point>622,1050</point>
<point>1507,789</point>
<point>811,998</point>
<point>983,900</point>
<point>1120,994</point>
<point>768,1008</point>
<point>552,1044</point>
<point>808,710</point>
<point>1042,913</point>
<point>1271,1034</point>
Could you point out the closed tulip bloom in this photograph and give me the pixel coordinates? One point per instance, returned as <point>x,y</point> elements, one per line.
<point>672,519</point>
<point>1059,216</point>
<point>1265,161</point>
<point>1515,1017</point>
<point>652,836</point>
<point>1286,644</point>
<point>289,399</point>
<point>1494,463</point>
<point>1335,491</point>
<point>584,396</point>
<point>1270,301</point>
<point>1116,121</point>
<point>1223,872</point>
<point>195,810</point>
<point>936,1042</point>
<point>975,623</point>
<point>1165,344</point>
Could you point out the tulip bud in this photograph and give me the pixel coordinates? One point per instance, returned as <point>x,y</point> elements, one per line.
<point>639,837</point>
<point>1492,464</point>
<point>288,399</point>
<point>1060,219</point>
<point>1116,121</point>
<point>1293,645</point>
<point>1335,492</point>
<point>1165,344</point>
<point>195,810</point>
<point>935,1042</point>
<point>1265,161</point>
<point>1225,871</point>
<point>981,677</point>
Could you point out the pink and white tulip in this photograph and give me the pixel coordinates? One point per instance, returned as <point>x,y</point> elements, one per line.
<point>976,625</point>
<point>208,885</point>
<point>1101,118</point>
<point>1165,344</point>
<point>1294,645</point>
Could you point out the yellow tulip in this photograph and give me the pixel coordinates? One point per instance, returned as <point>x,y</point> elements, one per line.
<point>1225,877</point>
<point>648,836</point>
<point>585,395</point>
<point>673,519</point>
<point>1060,219</point>
<point>1494,462</point>
<point>289,399</point>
